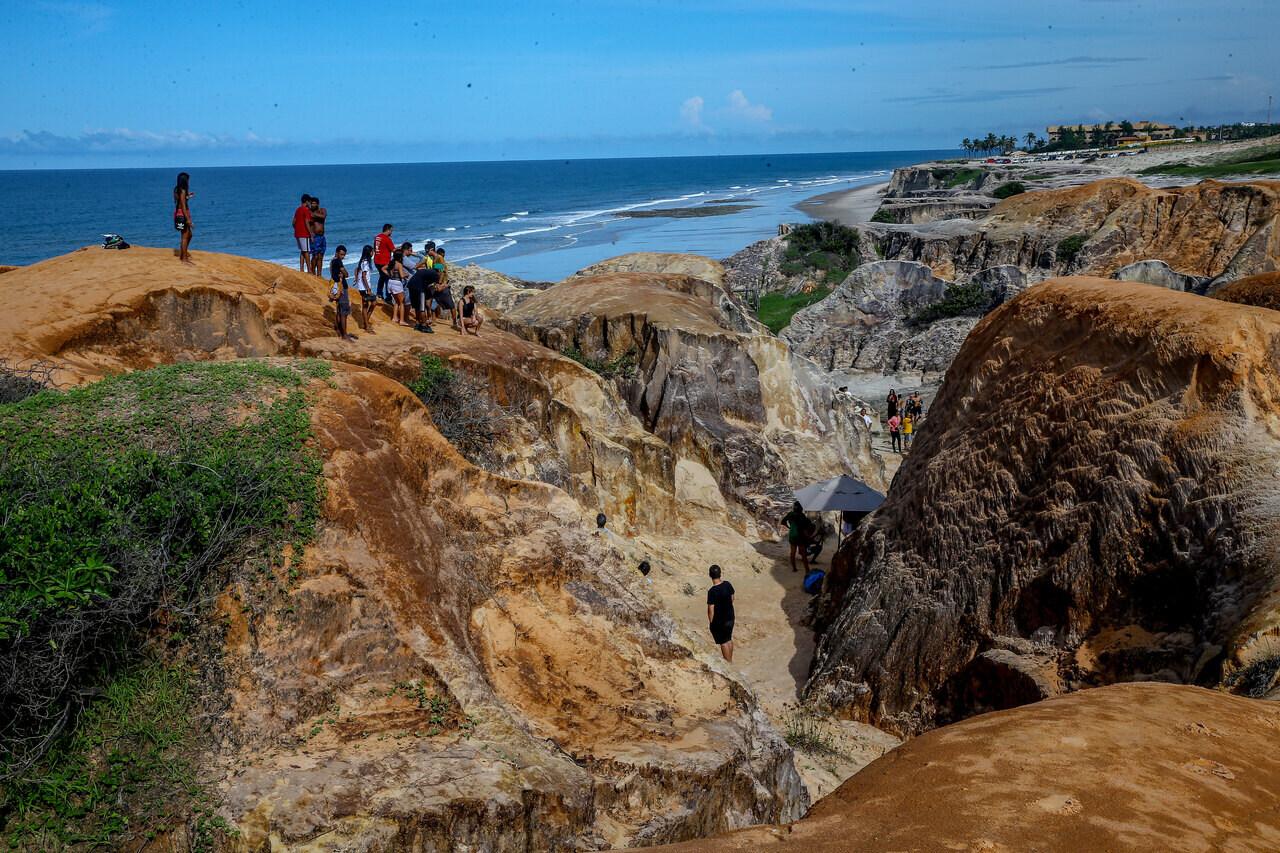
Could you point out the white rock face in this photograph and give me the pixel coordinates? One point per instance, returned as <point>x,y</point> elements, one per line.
<point>1161,275</point>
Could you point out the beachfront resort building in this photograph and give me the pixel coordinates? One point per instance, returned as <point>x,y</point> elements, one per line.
<point>1112,132</point>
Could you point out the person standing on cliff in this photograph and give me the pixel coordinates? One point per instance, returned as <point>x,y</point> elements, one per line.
<point>383,246</point>
<point>182,215</point>
<point>302,233</point>
<point>720,612</point>
<point>318,244</point>
<point>908,428</point>
<point>895,434</point>
<point>892,403</point>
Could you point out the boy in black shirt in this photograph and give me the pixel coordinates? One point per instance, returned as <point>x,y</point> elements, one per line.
<point>720,613</point>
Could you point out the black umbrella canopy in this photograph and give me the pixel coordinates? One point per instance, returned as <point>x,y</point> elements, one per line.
<point>841,493</point>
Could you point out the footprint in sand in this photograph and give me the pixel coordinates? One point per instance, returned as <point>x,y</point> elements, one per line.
<point>1063,804</point>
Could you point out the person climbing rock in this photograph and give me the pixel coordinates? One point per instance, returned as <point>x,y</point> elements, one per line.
<point>798,530</point>
<point>720,612</point>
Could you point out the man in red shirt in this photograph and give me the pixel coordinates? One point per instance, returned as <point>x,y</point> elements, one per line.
<point>302,233</point>
<point>383,246</point>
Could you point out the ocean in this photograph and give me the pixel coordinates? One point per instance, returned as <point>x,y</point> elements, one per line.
<point>539,220</point>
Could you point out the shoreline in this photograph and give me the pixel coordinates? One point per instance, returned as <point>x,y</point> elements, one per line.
<point>851,207</point>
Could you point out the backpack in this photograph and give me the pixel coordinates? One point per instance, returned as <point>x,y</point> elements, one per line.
<point>813,581</point>
<point>113,241</point>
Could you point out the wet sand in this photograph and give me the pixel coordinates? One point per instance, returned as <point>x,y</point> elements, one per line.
<point>848,207</point>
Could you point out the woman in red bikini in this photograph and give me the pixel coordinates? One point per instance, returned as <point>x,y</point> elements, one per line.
<point>182,215</point>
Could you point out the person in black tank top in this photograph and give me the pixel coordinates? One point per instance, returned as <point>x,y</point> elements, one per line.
<point>472,319</point>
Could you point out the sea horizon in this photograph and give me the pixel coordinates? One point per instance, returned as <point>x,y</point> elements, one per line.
<point>538,219</point>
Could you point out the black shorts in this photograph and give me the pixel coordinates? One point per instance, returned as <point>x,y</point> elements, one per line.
<point>444,299</point>
<point>418,298</point>
<point>721,633</point>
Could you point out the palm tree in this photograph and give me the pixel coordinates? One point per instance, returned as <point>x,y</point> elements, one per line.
<point>967,145</point>
<point>991,142</point>
<point>1030,139</point>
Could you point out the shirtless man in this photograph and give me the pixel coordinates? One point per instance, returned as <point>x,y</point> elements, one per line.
<point>318,216</point>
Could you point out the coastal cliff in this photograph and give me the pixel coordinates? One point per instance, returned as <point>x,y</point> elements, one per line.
<point>1088,503</point>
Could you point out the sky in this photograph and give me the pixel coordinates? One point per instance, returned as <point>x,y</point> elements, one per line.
<point>121,84</point>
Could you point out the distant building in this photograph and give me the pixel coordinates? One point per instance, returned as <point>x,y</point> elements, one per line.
<point>1110,134</point>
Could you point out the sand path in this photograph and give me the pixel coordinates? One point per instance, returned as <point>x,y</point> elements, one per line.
<point>773,648</point>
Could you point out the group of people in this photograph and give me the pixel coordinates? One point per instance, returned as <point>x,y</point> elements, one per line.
<point>401,272</point>
<point>905,414</point>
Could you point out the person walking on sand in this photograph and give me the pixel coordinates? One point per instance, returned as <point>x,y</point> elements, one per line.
<point>383,246</point>
<point>182,215</point>
<point>364,284</point>
<point>471,317</point>
<point>318,216</point>
<point>798,528</point>
<point>302,233</point>
<point>895,434</point>
<point>908,427</point>
<point>720,612</point>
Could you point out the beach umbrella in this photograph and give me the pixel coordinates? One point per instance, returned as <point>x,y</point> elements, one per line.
<point>841,493</point>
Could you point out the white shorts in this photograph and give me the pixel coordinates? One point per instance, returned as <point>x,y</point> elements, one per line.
<point>304,244</point>
<point>395,286</point>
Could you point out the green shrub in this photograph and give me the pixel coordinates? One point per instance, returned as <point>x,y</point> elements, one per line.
<point>127,772</point>
<point>1009,190</point>
<point>1070,247</point>
<point>777,309</point>
<point>960,300</point>
<point>623,366</point>
<point>959,177</point>
<point>884,215</point>
<point>121,501</point>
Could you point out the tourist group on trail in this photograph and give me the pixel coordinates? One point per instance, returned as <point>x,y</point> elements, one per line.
<point>412,285</point>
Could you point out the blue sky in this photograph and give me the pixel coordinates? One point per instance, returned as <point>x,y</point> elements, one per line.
<point>90,84</point>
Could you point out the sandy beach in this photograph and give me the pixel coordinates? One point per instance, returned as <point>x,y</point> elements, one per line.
<point>848,207</point>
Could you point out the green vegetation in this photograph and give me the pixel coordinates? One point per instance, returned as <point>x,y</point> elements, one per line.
<point>834,250</point>
<point>960,300</point>
<point>777,309</point>
<point>122,501</point>
<point>809,733</point>
<point>1036,176</point>
<point>957,177</point>
<point>1009,190</point>
<point>1070,247</point>
<point>126,772</point>
<point>624,365</point>
<point>884,215</point>
<point>1258,161</point>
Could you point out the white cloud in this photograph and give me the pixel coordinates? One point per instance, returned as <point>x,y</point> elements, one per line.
<point>691,112</point>
<point>740,107</point>
<point>123,140</point>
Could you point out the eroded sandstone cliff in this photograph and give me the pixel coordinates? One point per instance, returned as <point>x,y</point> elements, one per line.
<point>454,660</point>
<point>1092,500</point>
<point>1212,229</point>
<point>732,401</point>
